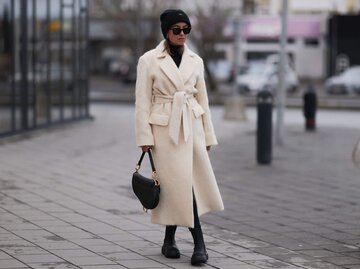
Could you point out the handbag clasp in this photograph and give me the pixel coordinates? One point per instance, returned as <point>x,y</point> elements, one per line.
<point>155,178</point>
<point>137,168</point>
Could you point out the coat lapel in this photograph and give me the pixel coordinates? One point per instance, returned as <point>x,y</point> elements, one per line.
<point>168,67</point>
<point>187,65</point>
<point>178,76</point>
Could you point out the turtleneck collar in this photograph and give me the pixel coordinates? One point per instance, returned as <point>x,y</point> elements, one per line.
<point>176,49</point>
<point>176,53</point>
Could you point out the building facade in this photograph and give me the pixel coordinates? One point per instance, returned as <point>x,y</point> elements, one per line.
<point>43,63</point>
<point>308,43</point>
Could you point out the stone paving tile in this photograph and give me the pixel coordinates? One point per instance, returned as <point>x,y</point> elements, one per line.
<point>340,248</point>
<point>106,249</point>
<point>12,263</point>
<point>38,258</point>
<point>296,258</point>
<point>58,245</point>
<point>343,260</point>
<point>72,253</point>
<point>156,251</point>
<point>103,267</point>
<point>77,235</point>
<point>319,265</point>
<point>184,259</point>
<point>219,262</point>
<point>92,260</point>
<point>266,264</point>
<point>273,251</point>
<point>30,250</point>
<point>248,256</point>
<point>225,248</point>
<point>121,256</point>
<point>353,242</point>
<point>62,265</point>
<point>14,243</point>
<point>119,237</point>
<point>136,244</point>
<point>91,241</point>
<point>244,266</point>
<point>320,253</point>
<point>186,265</point>
<point>4,256</point>
<point>141,264</point>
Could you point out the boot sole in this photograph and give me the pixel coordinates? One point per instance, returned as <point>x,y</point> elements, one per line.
<point>174,255</point>
<point>199,260</point>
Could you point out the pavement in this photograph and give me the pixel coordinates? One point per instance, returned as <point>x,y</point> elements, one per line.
<point>66,199</point>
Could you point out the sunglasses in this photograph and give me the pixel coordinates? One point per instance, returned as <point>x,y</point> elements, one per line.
<point>177,30</point>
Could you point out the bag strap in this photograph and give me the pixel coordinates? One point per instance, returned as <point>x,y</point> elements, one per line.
<point>154,174</point>
<point>151,160</point>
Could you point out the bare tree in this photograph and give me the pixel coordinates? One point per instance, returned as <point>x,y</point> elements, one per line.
<point>210,23</point>
<point>134,24</point>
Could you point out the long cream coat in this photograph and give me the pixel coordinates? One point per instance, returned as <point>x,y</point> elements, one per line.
<point>172,113</point>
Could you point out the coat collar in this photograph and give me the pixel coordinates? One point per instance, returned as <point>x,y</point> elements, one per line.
<point>178,76</point>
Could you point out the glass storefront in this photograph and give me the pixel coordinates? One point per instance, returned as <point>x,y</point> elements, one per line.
<point>43,63</point>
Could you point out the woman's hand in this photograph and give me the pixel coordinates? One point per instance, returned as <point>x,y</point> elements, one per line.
<point>146,148</point>
<point>208,148</point>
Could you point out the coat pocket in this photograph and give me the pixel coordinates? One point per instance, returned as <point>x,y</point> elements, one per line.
<point>159,119</point>
<point>198,110</point>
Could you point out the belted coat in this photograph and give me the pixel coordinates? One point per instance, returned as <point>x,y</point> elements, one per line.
<point>172,114</point>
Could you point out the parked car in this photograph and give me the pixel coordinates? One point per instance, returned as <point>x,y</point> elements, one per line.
<point>220,70</point>
<point>260,75</point>
<point>347,82</point>
<point>232,74</point>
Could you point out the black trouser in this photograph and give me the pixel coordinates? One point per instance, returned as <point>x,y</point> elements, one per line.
<point>196,216</point>
<point>171,229</point>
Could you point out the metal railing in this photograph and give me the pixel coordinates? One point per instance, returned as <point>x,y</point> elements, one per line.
<point>43,63</point>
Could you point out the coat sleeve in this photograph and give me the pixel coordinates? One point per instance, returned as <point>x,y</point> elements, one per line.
<point>143,98</point>
<point>202,98</point>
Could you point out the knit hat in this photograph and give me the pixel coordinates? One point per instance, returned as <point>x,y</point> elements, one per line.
<point>171,16</point>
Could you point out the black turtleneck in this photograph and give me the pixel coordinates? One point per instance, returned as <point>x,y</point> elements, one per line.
<point>176,54</point>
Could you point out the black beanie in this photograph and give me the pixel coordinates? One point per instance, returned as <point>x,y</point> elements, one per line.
<point>171,16</point>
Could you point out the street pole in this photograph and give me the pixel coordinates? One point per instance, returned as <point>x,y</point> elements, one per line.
<point>281,92</point>
<point>139,25</point>
<point>235,105</point>
<point>24,95</point>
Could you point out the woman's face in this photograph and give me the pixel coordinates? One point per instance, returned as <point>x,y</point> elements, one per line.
<point>177,39</point>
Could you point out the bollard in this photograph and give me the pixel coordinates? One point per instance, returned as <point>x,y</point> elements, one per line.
<point>264,127</point>
<point>309,108</point>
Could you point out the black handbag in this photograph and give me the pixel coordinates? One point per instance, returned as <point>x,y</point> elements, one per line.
<point>147,190</point>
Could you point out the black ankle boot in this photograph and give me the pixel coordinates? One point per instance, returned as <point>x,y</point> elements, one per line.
<point>169,248</point>
<point>200,255</point>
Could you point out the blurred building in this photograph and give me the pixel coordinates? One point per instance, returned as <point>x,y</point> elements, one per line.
<point>117,38</point>
<point>312,43</point>
<point>43,63</point>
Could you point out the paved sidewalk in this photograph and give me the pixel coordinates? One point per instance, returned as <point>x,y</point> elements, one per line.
<point>66,200</point>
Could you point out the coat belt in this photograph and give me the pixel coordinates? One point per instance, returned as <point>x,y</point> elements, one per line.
<point>182,102</point>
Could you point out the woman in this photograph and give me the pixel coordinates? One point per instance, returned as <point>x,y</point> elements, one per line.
<point>173,119</point>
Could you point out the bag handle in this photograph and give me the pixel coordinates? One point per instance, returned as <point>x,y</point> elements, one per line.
<point>154,174</point>
<point>151,160</point>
